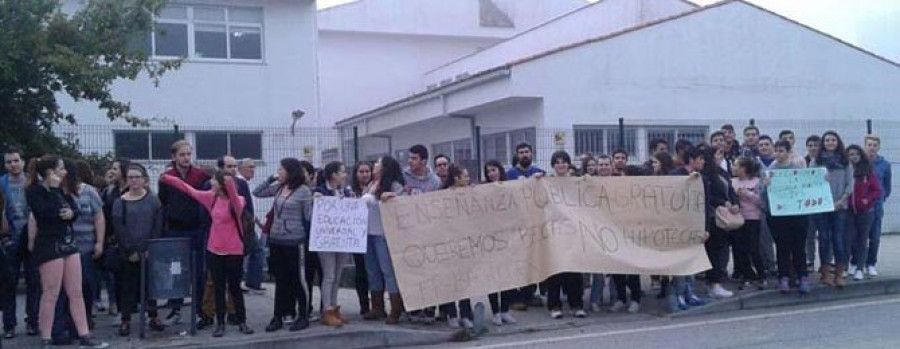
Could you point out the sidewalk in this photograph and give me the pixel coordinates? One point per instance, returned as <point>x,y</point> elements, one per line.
<point>366,334</point>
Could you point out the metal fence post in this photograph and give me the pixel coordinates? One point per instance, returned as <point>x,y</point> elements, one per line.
<point>355,145</point>
<point>477,141</point>
<point>868,126</point>
<point>621,133</point>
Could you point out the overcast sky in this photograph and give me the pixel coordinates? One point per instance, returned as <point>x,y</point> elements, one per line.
<point>870,24</point>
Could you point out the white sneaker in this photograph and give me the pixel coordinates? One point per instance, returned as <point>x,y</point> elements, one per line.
<point>595,307</point>
<point>453,322</point>
<point>497,320</point>
<point>556,314</point>
<point>507,318</point>
<point>467,324</point>
<point>858,275</point>
<point>580,314</point>
<point>848,270</point>
<point>617,307</point>
<point>872,271</point>
<point>634,307</point>
<point>717,291</point>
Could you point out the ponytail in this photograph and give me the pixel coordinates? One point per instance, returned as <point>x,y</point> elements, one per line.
<point>38,166</point>
<point>31,171</point>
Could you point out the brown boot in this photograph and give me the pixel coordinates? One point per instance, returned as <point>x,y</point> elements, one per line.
<point>337,312</point>
<point>396,309</point>
<point>377,310</point>
<point>839,275</point>
<point>330,319</point>
<point>827,275</point>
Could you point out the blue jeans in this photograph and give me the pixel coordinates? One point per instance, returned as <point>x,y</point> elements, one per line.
<point>858,228</point>
<point>378,266</point>
<point>19,266</point>
<point>597,283</point>
<point>255,262</point>
<point>875,235</point>
<point>198,247</point>
<point>832,227</point>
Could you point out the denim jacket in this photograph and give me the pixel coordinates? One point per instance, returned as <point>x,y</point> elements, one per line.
<point>883,172</point>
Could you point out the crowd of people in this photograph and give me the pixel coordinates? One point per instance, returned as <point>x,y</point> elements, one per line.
<point>69,234</point>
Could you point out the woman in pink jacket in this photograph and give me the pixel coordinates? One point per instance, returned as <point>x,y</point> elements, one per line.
<point>866,191</point>
<point>225,248</point>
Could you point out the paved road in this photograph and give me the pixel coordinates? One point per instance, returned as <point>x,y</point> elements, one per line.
<point>867,323</point>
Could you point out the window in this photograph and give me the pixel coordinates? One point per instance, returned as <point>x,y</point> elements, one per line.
<point>604,140</point>
<point>206,32</point>
<point>145,145</point>
<point>212,145</point>
<point>671,134</point>
<point>500,146</point>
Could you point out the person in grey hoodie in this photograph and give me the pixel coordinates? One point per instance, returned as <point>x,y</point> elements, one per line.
<point>420,180</point>
<point>293,211</point>
<point>832,225</point>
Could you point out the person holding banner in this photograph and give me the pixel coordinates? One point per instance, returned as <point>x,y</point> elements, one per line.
<point>225,247</point>
<point>694,160</point>
<point>523,168</point>
<point>292,208</point>
<point>458,177</point>
<point>570,283</point>
<point>832,225</point>
<point>789,232</point>
<point>493,173</point>
<point>718,193</point>
<point>387,183</point>
<point>332,262</point>
<point>866,193</point>
<point>362,176</point>
<point>813,143</point>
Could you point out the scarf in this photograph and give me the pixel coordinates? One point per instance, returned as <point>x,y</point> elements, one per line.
<point>831,160</point>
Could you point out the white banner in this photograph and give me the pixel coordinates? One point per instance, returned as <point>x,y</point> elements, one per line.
<point>339,225</point>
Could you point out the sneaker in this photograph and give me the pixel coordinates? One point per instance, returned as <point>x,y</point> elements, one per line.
<point>556,314</point>
<point>100,306</point>
<point>497,320</point>
<point>31,330</point>
<point>744,285</point>
<point>717,291</point>
<point>580,314</point>
<point>634,307</point>
<point>87,342</point>
<point>595,307</point>
<point>174,318</point>
<point>9,333</point>
<point>694,301</point>
<point>762,284</point>
<point>453,322</point>
<point>872,271</point>
<point>507,318</point>
<point>467,324</point>
<point>858,274</point>
<point>804,285</point>
<point>313,317</point>
<point>617,307</point>
<point>682,304</point>
<point>784,285</point>
<point>847,271</point>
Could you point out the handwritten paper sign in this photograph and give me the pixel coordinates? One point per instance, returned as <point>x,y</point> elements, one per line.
<point>459,243</point>
<point>338,225</point>
<point>799,192</point>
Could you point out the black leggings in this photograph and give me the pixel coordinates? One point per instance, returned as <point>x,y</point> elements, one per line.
<point>128,291</point>
<point>747,256</point>
<point>361,281</point>
<point>227,271</point>
<point>633,282</point>
<point>286,265</point>
<point>789,233</point>
<point>312,268</point>
<point>572,284</point>
<point>501,305</point>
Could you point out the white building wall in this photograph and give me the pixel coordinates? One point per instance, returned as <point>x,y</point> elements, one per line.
<point>732,62</point>
<point>358,71</point>
<point>234,94</point>
<point>595,20</point>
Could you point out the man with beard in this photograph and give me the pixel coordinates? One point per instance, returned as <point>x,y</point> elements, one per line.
<point>524,169</point>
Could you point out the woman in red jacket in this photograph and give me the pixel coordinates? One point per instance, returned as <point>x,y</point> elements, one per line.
<point>866,191</point>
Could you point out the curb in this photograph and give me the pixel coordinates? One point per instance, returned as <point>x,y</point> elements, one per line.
<point>363,339</point>
<point>820,294</point>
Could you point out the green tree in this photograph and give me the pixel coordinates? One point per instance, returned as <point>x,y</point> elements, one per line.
<point>45,53</point>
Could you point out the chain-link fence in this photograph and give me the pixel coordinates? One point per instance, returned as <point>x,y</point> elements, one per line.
<point>151,146</point>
